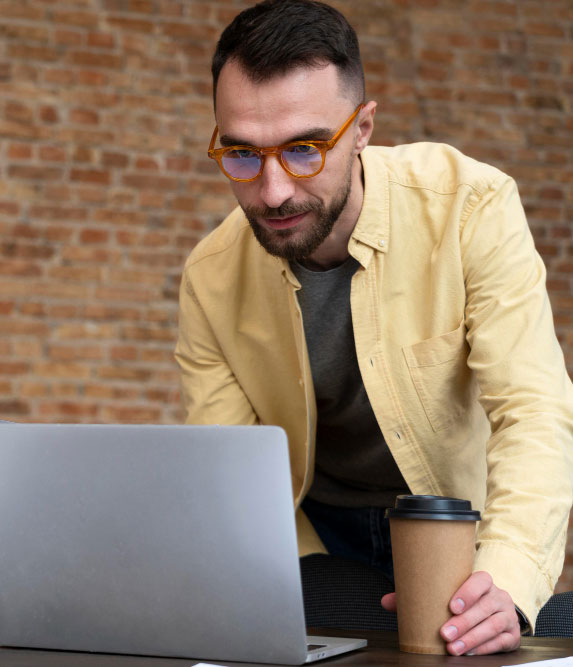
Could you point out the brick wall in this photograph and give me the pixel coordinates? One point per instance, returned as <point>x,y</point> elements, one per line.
<point>105,116</point>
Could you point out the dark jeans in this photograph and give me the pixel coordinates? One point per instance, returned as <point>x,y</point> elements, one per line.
<point>361,534</point>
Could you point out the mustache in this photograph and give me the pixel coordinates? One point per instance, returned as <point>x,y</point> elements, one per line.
<point>285,210</point>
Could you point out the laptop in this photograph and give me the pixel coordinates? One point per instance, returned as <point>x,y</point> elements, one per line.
<point>175,541</point>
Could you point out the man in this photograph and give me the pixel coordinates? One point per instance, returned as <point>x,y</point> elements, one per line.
<point>427,362</point>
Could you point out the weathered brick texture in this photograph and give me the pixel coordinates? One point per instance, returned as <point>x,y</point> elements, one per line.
<point>105,116</point>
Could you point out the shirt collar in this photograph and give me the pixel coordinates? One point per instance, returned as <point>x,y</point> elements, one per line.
<point>372,230</point>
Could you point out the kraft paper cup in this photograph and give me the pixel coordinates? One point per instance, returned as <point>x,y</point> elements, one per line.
<point>433,542</point>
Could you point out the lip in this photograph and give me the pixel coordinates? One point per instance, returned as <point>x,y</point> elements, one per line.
<point>284,223</point>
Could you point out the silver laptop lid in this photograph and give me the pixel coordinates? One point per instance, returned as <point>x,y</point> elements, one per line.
<point>157,540</point>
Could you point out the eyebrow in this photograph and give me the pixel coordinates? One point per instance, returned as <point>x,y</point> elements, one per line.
<point>315,134</point>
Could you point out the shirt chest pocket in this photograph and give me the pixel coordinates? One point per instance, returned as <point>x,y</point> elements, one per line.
<point>440,374</point>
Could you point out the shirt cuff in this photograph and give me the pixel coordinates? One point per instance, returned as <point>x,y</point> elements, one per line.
<point>524,625</point>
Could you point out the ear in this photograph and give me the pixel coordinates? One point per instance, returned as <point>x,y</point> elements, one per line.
<point>364,126</point>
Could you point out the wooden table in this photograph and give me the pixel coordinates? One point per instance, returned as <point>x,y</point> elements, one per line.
<point>382,651</point>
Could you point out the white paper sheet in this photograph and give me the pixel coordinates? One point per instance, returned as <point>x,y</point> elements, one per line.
<point>558,662</point>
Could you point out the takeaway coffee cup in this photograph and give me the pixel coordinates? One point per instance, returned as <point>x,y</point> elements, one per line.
<point>433,542</point>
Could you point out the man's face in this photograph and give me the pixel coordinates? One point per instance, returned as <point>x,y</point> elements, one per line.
<point>290,217</point>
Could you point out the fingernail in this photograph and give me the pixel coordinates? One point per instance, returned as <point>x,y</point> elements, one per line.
<point>458,647</point>
<point>458,605</point>
<point>450,632</point>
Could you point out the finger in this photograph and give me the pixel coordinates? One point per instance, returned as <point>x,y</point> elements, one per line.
<point>389,601</point>
<point>500,631</point>
<point>472,643</point>
<point>473,588</point>
<point>490,605</point>
<point>503,643</point>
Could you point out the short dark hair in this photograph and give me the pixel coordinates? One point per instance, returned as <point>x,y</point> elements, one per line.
<point>276,36</point>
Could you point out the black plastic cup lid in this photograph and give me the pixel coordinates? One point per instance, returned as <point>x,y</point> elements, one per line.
<point>432,507</point>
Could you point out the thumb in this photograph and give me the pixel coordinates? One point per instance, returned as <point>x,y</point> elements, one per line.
<point>389,601</point>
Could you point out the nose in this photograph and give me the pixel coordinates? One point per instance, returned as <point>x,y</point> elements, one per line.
<point>276,186</point>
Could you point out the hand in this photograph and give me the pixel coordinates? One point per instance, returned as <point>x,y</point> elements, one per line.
<point>484,621</point>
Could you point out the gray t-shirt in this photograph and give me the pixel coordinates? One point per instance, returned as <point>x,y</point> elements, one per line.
<point>354,467</point>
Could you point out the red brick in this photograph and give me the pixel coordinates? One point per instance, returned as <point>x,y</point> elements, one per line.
<point>34,173</point>
<point>101,40</point>
<point>49,114</point>
<point>114,217</point>
<point>92,78</point>
<point>546,29</point>
<point>136,25</point>
<point>68,410</point>
<point>29,389</point>
<point>148,333</point>
<point>19,268</point>
<point>147,163</point>
<point>178,163</point>
<point>113,314</point>
<point>91,176</point>
<point>91,195</point>
<point>83,330</point>
<point>68,37</point>
<point>144,182</point>
<point>151,199</point>
<point>90,255</point>
<point>62,370</point>
<point>75,352</point>
<point>93,59</point>
<point>33,308</point>
<point>13,407</point>
<point>62,77</point>
<point>156,239</point>
<point>9,208</point>
<point>75,273</point>
<point>19,112</point>
<point>19,151</point>
<point>124,353</point>
<point>124,373</point>
<point>77,19</point>
<point>14,367</point>
<point>190,31</point>
<point>156,355</point>
<point>183,204</point>
<point>25,251</point>
<point>5,71</point>
<point>62,311</point>
<point>131,414</point>
<point>84,116</point>
<point>7,388</point>
<point>52,154</point>
<point>126,294</point>
<point>94,236</point>
<point>6,307</point>
<point>29,52</point>
<point>120,160</point>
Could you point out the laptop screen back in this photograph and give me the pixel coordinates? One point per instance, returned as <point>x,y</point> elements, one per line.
<point>155,540</point>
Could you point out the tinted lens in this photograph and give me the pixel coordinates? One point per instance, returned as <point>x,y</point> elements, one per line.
<point>303,160</point>
<point>241,164</point>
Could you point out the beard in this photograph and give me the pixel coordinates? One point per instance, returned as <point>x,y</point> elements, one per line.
<point>295,244</point>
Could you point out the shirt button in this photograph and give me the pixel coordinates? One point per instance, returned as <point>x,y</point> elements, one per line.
<point>382,243</point>
<point>300,381</point>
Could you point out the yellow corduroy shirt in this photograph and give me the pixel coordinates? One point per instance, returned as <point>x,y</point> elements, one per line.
<point>455,342</point>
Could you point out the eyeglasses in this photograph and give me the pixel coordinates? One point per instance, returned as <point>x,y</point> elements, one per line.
<point>301,159</point>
